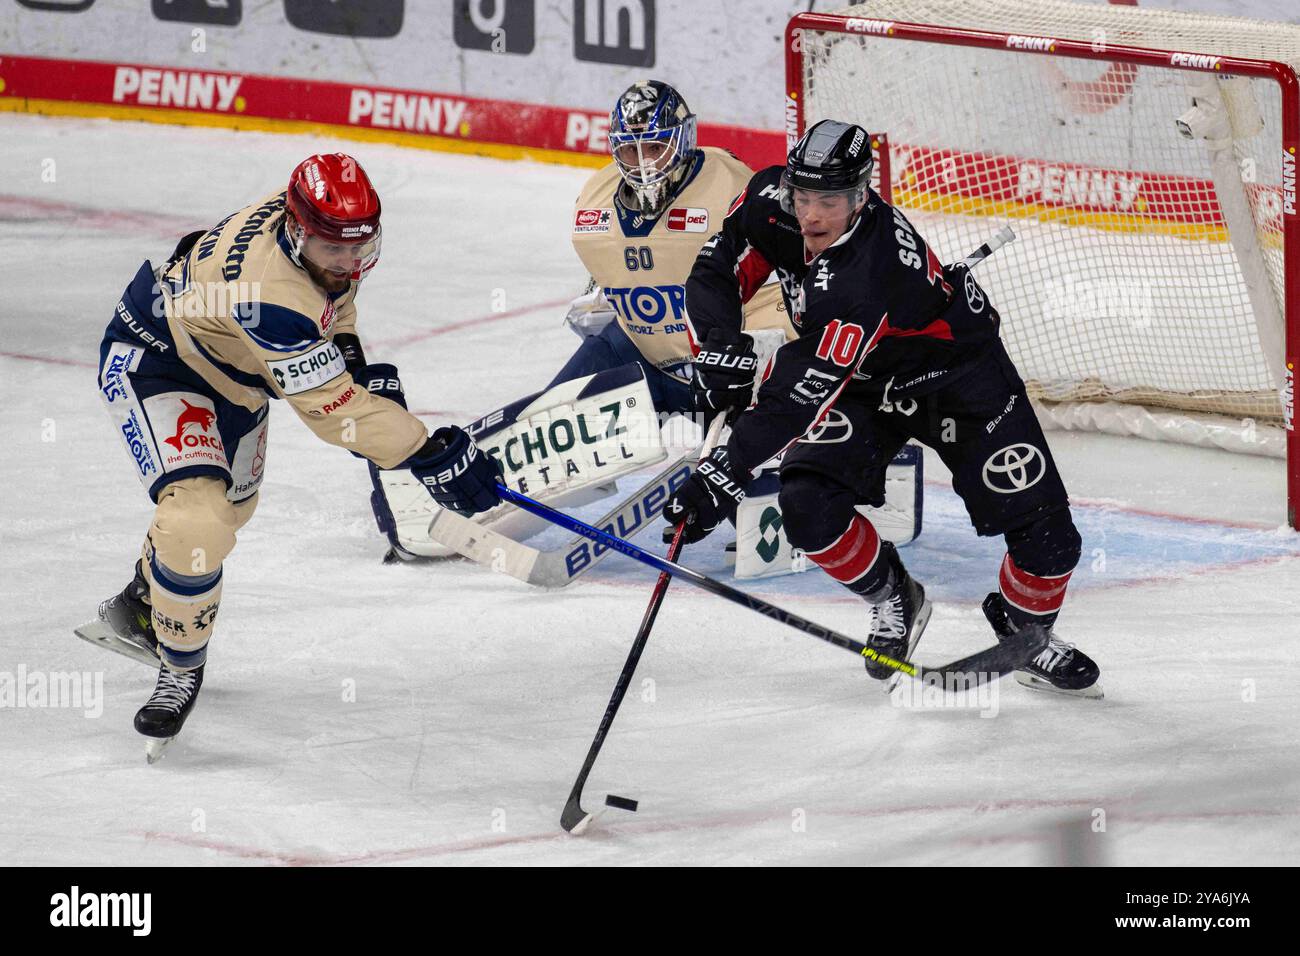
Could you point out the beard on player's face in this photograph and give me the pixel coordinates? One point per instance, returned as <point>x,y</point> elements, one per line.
<point>329,279</point>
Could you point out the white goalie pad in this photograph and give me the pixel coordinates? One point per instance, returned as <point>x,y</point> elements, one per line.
<point>763,550</point>
<point>564,446</point>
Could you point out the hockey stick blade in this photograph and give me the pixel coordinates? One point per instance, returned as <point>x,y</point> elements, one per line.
<point>1010,654</point>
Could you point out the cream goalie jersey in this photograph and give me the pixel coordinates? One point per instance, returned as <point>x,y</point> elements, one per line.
<point>641,263</point>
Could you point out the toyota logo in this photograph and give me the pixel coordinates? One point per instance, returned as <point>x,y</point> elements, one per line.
<point>834,429</point>
<point>1014,468</point>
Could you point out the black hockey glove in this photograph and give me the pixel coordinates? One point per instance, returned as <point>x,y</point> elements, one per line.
<point>705,499</point>
<point>461,477</point>
<point>724,368</point>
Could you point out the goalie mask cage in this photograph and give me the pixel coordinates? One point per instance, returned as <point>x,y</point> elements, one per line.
<point>1146,160</point>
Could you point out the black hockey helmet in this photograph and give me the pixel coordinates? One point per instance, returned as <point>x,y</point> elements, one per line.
<point>652,140</point>
<point>830,157</point>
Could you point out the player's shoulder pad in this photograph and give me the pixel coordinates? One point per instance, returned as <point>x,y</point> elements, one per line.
<point>762,192</point>
<point>599,187</point>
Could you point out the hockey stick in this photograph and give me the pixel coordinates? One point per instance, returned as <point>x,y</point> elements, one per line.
<point>574,819</point>
<point>1010,654</point>
<point>1001,238</point>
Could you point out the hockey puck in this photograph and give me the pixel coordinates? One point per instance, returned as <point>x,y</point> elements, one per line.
<point>620,803</point>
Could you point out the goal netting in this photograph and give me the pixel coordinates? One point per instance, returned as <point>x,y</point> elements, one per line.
<point>1147,164</point>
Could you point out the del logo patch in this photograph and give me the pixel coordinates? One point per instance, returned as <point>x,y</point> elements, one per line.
<point>688,219</point>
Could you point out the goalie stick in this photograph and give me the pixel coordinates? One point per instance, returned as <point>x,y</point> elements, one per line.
<point>574,819</point>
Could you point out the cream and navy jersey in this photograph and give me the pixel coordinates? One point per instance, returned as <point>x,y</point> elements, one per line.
<point>239,311</point>
<point>641,262</point>
<point>876,312</point>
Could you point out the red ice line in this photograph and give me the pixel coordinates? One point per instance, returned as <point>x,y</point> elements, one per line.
<point>721,821</point>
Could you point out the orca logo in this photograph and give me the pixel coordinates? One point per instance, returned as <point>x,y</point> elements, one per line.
<point>1014,468</point>
<point>834,429</point>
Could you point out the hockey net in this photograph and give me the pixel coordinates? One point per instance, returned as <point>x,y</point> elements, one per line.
<point>1149,290</point>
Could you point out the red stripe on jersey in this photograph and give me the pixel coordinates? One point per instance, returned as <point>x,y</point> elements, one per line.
<point>852,554</point>
<point>737,202</point>
<point>938,329</point>
<point>934,272</point>
<point>752,271</point>
<point>1029,592</point>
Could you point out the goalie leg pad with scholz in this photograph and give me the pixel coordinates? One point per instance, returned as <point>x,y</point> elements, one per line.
<point>458,474</point>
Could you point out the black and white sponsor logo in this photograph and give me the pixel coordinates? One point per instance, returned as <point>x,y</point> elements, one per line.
<point>222,13</point>
<point>834,429</point>
<point>1014,469</point>
<point>347,18</point>
<point>305,372</point>
<point>621,32</point>
<point>130,910</point>
<point>813,387</point>
<point>974,295</point>
<point>495,25</point>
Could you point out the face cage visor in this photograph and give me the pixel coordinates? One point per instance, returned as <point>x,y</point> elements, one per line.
<point>647,158</point>
<point>357,258</point>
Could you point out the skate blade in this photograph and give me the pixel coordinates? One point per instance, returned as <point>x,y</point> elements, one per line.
<point>1092,692</point>
<point>155,748</point>
<point>101,635</point>
<point>918,628</point>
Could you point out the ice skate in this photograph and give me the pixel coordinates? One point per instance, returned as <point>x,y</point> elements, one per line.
<point>1059,668</point>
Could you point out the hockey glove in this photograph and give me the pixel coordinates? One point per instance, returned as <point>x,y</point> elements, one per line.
<point>460,476</point>
<point>705,499</point>
<point>724,368</point>
<point>381,379</point>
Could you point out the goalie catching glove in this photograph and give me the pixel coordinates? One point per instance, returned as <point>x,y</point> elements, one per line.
<point>724,371</point>
<point>710,495</point>
<point>459,475</point>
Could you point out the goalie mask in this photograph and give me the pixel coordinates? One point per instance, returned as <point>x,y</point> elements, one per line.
<point>652,140</point>
<point>332,225</point>
<point>830,158</point>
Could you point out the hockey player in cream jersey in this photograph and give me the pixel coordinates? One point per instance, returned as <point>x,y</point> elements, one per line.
<point>259,307</point>
<point>637,226</point>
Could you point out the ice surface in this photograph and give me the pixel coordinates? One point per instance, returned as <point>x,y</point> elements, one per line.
<point>476,697</point>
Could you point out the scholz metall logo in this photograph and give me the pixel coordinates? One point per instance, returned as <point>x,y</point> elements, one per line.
<point>1014,468</point>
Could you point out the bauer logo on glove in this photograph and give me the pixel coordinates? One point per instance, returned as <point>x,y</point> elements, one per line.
<point>458,475</point>
<point>711,494</point>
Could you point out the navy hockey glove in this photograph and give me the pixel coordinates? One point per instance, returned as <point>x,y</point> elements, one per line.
<point>381,379</point>
<point>710,495</point>
<point>461,477</point>
<point>724,368</point>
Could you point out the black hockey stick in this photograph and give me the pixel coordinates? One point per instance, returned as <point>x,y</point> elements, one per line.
<point>574,819</point>
<point>1009,654</point>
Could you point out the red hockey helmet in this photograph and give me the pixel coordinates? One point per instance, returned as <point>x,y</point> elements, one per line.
<point>332,204</point>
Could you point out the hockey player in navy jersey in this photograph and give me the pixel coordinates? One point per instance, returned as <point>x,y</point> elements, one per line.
<point>901,347</point>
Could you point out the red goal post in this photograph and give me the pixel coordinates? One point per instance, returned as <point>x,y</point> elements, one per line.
<point>1077,147</point>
